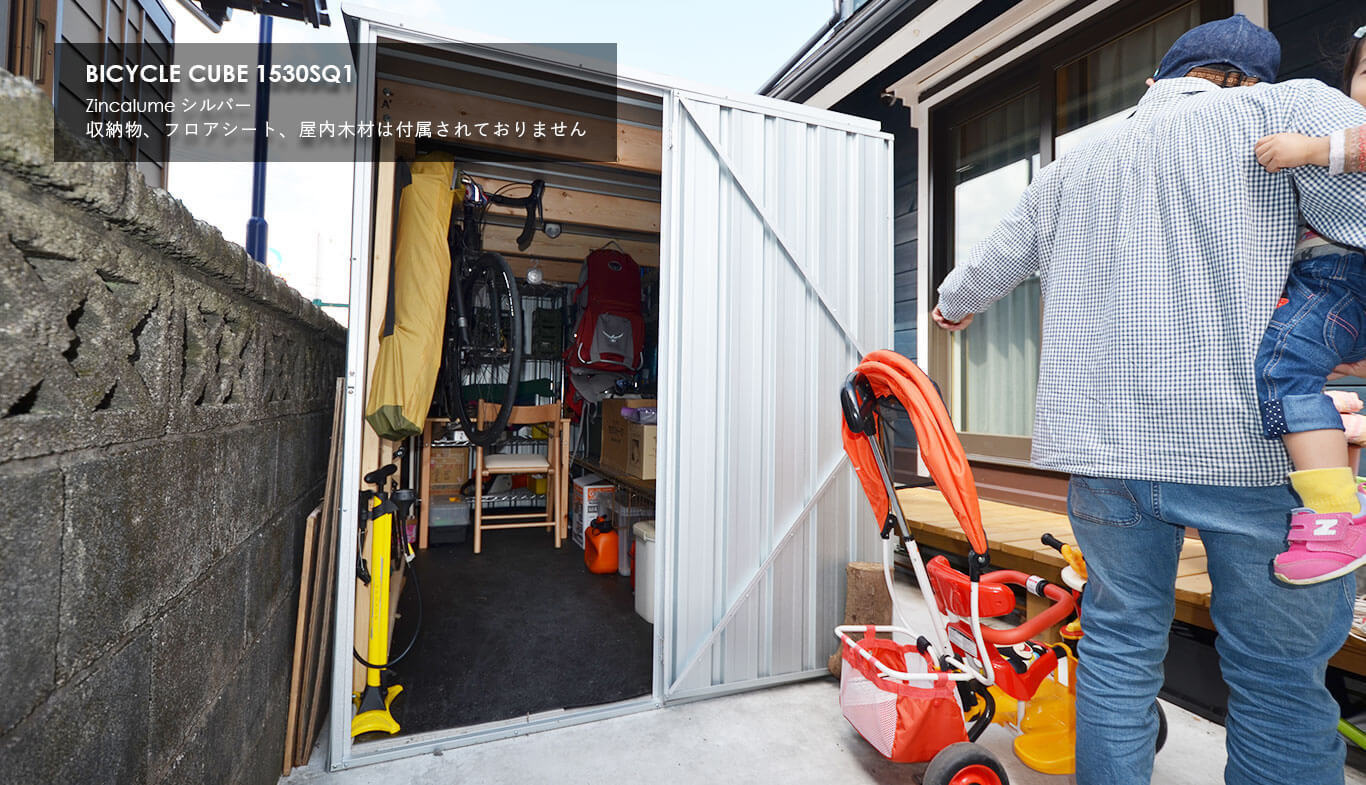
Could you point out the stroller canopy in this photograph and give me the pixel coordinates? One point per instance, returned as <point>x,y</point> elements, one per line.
<point>891,374</point>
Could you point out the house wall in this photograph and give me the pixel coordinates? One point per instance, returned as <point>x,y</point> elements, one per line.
<point>895,118</point>
<point>1311,32</point>
<point>165,404</point>
<point>1313,35</point>
<point>137,32</point>
<point>867,102</point>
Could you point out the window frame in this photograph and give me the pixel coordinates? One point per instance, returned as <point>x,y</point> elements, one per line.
<point>1034,71</point>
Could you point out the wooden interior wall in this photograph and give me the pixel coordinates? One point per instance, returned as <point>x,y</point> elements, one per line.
<point>589,218</point>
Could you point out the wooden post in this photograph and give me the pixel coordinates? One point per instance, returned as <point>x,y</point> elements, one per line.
<point>424,493</point>
<point>1035,605</point>
<point>866,601</point>
<point>373,454</point>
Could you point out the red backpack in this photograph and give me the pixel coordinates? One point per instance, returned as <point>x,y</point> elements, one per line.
<point>610,333</point>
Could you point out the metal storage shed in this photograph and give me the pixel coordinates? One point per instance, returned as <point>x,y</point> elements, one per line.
<point>776,276</point>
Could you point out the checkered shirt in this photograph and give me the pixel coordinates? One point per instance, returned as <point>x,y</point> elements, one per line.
<point>1162,248</point>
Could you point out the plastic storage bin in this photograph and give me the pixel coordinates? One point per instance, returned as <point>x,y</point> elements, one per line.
<point>448,520</point>
<point>624,517</point>
<point>644,535</point>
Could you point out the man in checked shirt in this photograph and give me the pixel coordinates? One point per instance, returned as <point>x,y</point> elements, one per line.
<point>1162,248</point>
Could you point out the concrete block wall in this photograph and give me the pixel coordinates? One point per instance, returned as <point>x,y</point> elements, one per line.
<point>165,407</point>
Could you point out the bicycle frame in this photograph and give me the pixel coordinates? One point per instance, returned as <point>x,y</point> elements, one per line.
<point>471,238</point>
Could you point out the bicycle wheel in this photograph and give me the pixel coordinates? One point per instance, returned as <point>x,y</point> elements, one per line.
<point>489,363</point>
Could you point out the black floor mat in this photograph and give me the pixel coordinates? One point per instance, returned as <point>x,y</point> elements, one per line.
<point>520,628</point>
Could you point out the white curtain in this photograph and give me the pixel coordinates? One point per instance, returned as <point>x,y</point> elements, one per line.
<point>1001,365</point>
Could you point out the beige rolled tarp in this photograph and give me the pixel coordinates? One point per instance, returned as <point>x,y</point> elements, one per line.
<point>415,318</point>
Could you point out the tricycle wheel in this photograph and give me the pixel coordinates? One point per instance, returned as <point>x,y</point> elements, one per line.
<point>965,763</point>
<point>1161,725</point>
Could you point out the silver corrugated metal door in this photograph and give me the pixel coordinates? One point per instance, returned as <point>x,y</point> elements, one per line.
<point>778,276</point>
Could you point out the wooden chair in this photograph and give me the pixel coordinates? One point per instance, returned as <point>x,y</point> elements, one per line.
<point>554,464</point>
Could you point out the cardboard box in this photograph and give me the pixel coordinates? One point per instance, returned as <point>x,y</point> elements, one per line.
<point>590,496</point>
<point>640,450</point>
<point>614,430</point>
<point>450,465</point>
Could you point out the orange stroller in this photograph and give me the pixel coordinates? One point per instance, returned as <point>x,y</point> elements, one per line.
<point>929,701</point>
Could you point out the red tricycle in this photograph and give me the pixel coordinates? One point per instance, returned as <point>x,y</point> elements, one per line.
<point>930,700</point>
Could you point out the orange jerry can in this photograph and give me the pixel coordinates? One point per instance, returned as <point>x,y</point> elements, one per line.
<point>600,547</point>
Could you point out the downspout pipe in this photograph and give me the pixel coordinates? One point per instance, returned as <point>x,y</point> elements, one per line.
<point>256,225</point>
<point>806,47</point>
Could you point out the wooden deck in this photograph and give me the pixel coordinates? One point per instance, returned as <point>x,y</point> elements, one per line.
<point>1013,536</point>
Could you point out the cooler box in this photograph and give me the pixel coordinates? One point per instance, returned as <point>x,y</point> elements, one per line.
<point>589,497</point>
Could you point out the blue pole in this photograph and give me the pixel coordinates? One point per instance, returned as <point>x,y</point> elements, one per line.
<point>256,225</point>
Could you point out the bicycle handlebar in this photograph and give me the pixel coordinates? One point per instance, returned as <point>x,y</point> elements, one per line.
<point>532,203</point>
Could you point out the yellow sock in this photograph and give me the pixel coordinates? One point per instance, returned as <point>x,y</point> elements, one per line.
<point>1327,490</point>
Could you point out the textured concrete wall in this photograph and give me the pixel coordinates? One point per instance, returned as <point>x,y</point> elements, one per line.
<point>165,405</point>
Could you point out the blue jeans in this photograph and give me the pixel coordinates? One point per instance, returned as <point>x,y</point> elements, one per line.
<point>1274,640</point>
<point>1318,325</point>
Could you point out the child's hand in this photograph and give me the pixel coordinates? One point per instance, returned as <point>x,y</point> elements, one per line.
<point>1345,402</point>
<point>1286,151</point>
<point>1355,427</point>
<point>1357,368</point>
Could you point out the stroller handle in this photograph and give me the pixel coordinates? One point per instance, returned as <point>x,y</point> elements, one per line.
<point>858,402</point>
<point>1064,605</point>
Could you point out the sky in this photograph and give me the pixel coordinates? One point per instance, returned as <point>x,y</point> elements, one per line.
<point>734,45</point>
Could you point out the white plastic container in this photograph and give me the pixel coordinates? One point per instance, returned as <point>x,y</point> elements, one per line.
<point>624,517</point>
<point>644,535</point>
<point>624,538</point>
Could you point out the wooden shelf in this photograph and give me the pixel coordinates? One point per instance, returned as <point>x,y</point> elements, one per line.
<point>642,487</point>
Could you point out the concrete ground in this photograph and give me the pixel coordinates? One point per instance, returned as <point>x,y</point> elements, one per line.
<point>793,735</point>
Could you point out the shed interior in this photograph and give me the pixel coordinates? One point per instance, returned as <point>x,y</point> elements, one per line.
<point>494,627</point>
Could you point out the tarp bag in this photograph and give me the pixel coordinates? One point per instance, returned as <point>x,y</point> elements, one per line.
<point>609,335</point>
<point>415,316</point>
<point>906,721</point>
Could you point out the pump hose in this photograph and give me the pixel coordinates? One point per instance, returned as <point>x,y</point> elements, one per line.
<point>417,628</point>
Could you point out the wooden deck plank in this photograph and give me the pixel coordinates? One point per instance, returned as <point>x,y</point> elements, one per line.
<point>1191,566</point>
<point>1013,536</point>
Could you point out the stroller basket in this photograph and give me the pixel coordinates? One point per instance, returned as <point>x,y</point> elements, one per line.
<point>907,721</point>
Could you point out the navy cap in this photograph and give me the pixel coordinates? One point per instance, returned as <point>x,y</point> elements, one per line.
<point>1232,44</point>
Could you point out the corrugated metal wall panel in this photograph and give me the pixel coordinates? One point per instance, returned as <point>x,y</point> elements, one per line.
<point>780,242</point>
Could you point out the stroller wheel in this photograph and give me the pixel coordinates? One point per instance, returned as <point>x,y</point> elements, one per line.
<point>1161,725</point>
<point>965,763</point>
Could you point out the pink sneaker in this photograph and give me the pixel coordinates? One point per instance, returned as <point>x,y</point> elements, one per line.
<point>1323,546</point>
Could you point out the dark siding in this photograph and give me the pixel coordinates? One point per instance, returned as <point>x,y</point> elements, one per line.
<point>135,32</point>
<point>866,102</point>
<point>896,121</point>
<point>1314,35</point>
